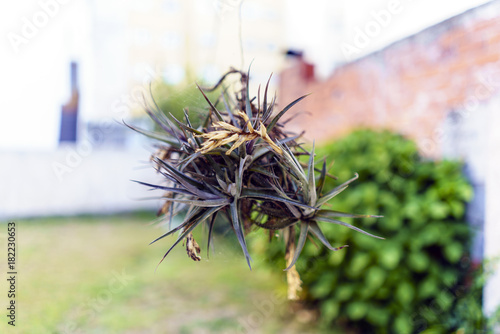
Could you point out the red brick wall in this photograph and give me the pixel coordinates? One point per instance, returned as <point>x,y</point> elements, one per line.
<point>408,87</point>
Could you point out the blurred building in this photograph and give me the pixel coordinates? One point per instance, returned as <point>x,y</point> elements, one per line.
<point>188,40</point>
<point>439,87</point>
<point>133,43</point>
<point>201,39</point>
<point>119,48</point>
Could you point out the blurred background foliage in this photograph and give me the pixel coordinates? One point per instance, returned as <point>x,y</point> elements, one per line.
<point>174,99</point>
<point>420,279</point>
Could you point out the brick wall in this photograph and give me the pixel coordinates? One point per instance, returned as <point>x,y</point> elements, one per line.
<point>410,86</point>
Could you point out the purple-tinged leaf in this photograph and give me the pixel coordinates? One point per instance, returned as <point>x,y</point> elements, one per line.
<point>311,179</point>
<point>304,227</point>
<point>260,194</point>
<point>314,228</point>
<point>210,229</point>
<point>337,190</point>
<point>238,230</point>
<point>217,113</point>
<point>282,112</point>
<point>334,214</point>
<point>335,221</point>
<point>322,178</point>
<point>174,190</point>
<point>248,106</point>
<point>154,135</point>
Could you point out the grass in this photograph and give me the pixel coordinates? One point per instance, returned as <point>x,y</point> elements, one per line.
<point>97,275</point>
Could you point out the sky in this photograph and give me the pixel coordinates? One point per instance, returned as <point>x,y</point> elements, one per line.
<point>34,59</point>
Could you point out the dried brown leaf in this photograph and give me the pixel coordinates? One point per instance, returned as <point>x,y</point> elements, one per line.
<point>192,248</point>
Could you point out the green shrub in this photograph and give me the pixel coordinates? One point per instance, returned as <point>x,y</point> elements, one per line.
<point>415,280</point>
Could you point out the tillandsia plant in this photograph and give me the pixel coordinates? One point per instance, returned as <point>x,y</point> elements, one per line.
<point>241,163</point>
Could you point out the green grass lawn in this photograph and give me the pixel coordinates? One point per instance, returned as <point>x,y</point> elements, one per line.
<point>97,275</point>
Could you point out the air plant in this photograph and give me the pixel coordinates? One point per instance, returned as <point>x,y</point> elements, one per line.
<point>242,164</point>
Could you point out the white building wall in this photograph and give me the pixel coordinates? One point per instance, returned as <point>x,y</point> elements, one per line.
<point>492,223</point>
<point>74,180</point>
<point>473,137</point>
